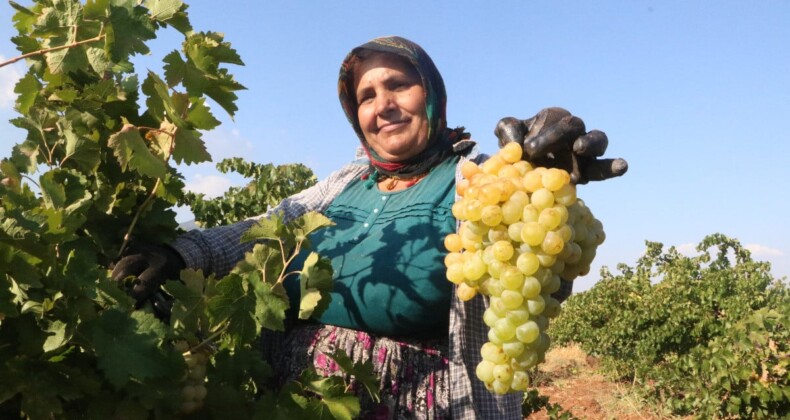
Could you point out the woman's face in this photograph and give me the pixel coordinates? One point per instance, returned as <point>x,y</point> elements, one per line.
<point>391,107</point>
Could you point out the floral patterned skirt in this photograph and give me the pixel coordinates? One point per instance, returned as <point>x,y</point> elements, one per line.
<point>414,373</point>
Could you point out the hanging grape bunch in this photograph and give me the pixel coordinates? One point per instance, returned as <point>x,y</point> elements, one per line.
<point>522,229</point>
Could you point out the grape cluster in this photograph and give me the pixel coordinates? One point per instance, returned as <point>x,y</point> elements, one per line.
<point>522,229</point>
<point>193,392</point>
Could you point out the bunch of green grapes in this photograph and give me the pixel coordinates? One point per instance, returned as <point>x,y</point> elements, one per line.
<point>522,229</point>
<point>193,392</point>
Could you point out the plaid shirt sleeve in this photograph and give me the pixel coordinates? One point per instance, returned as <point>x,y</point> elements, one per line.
<point>217,250</point>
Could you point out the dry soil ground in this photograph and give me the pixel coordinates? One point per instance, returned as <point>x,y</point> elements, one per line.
<point>570,378</point>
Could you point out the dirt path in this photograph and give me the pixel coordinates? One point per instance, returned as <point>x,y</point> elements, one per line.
<point>570,379</point>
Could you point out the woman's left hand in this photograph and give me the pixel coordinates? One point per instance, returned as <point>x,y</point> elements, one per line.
<point>554,138</point>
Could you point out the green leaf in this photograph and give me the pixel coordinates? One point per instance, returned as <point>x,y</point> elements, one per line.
<point>128,347</point>
<point>65,189</point>
<point>28,89</point>
<point>82,150</point>
<point>98,59</point>
<point>24,18</point>
<point>265,259</point>
<point>162,10</point>
<point>315,285</point>
<point>188,314</point>
<point>200,116</point>
<point>162,100</point>
<point>95,9</point>
<point>266,228</point>
<point>190,148</point>
<point>312,221</point>
<point>235,304</point>
<point>362,372</point>
<point>128,30</point>
<point>271,305</point>
<point>58,336</point>
<point>175,68</point>
<point>130,149</point>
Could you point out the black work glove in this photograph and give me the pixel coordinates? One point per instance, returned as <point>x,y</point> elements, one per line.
<point>143,269</point>
<point>556,139</point>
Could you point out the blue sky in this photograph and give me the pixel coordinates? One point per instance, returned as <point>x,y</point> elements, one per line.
<point>694,95</point>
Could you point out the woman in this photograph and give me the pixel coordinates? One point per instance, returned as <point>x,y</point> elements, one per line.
<point>391,303</point>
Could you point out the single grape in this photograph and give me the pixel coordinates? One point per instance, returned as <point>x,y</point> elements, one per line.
<point>511,278</point>
<point>527,332</point>
<point>485,371</point>
<point>530,213</point>
<point>465,292</point>
<point>491,215</point>
<point>455,273</point>
<point>469,169</point>
<point>504,329</point>
<point>532,181</point>
<point>513,348</point>
<point>512,299</point>
<point>527,263</point>
<point>542,198</point>
<point>530,288</point>
<point>536,305</point>
<point>553,179</point>
<point>511,152</point>
<point>503,372</point>
<point>533,233</point>
<point>520,381</point>
<point>518,315</point>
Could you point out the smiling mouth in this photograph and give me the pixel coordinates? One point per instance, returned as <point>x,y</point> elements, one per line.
<point>393,126</point>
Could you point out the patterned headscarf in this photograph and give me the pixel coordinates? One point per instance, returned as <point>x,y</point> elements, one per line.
<point>440,139</point>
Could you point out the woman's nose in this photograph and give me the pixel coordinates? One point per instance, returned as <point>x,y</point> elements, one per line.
<point>384,102</point>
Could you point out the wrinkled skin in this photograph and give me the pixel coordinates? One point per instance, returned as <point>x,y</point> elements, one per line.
<point>556,139</point>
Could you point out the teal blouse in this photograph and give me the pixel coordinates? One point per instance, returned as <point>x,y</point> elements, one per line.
<point>387,252</point>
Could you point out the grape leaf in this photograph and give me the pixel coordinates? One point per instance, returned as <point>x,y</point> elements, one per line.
<point>24,18</point>
<point>310,222</point>
<point>95,9</point>
<point>65,189</point>
<point>266,228</point>
<point>362,372</point>
<point>128,30</point>
<point>234,303</point>
<point>98,59</point>
<point>82,150</point>
<point>271,304</point>
<point>200,116</point>
<point>190,148</point>
<point>188,313</point>
<point>158,88</point>
<point>264,259</point>
<point>28,88</point>
<point>130,149</point>
<point>334,402</point>
<point>127,347</point>
<point>163,10</point>
<point>58,337</point>
<point>315,285</point>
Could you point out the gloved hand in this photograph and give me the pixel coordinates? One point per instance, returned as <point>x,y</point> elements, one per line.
<point>556,139</point>
<point>143,269</point>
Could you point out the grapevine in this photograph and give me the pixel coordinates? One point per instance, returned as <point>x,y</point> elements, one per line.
<point>96,169</point>
<point>522,231</point>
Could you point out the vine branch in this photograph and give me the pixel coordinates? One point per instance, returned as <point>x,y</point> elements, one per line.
<point>49,50</point>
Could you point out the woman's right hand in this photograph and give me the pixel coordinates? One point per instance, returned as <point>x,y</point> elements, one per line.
<point>143,268</point>
<point>556,138</point>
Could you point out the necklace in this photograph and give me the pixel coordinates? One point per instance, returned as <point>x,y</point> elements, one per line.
<point>393,181</point>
